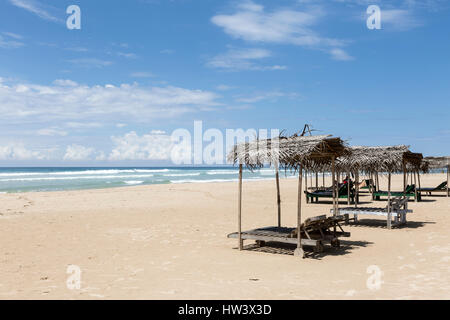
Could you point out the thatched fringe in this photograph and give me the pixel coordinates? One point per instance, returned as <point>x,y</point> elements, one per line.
<point>436,162</point>
<point>288,152</point>
<point>314,153</point>
<point>379,159</point>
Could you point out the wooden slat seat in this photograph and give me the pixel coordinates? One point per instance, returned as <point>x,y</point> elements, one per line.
<point>315,231</point>
<point>398,210</point>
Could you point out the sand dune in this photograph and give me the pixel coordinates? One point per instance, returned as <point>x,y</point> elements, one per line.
<point>169,242</point>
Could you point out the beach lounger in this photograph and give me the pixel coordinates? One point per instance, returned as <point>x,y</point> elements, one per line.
<point>398,211</point>
<point>409,192</point>
<point>320,188</point>
<point>440,188</point>
<point>343,194</point>
<point>315,232</point>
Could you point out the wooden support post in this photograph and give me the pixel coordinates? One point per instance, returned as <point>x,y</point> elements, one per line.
<point>306,180</point>
<point>306,187</point>
<point>299,250</point>
<point>389,217</point>
<point>277,177</point>
<point>335,192</point>
<point>240,209</point>
<point>418,181</point>
<point>356,189</point>
<point>317,180</point>
<point>448,176</point>
<point>348,188</point>
<point>413,172</point>
<point>377,181</point>
<point>323,179</point>
<point>372,185</point>
<point>405,178</point>
<point>333,186</point>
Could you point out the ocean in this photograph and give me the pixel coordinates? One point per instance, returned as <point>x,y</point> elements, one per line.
<point>57,178</point>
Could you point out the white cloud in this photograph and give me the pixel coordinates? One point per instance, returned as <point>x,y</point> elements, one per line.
<point>154,146</point>
<point>340,54</point>
<point>242,59</point>
<point>52,132</point>
<point>399,19</point>
<point>20,152</point>
<point>76,152</point>
<point>13,35</point>
<point>127,55</point>
<point>100,156</point>
<point>71,102</point>
<point>270,96</point>
<point>251,22</point>
<point>157,132</point>
<point>65,83</point>
<point>121,125</point>
<point>78,49</point>
<point>430,5</point>
<point>83,125</point>
<point>90,62</point>
<point>141,74</point>
<point>35,7</point>
<point>400,16</point>
<point>6,43</point>
<point>224,87</point>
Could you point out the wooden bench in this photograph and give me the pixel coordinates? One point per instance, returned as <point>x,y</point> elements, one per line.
<point>398,211</point>
<point>315,232</point>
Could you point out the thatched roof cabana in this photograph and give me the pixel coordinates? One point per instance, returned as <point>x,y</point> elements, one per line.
<point>292,153</point>
<point>439,163</point>
<point>390,159</point>
<point>289,152</point>
<point>379,159</point>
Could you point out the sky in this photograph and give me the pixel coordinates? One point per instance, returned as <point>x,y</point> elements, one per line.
<point>112,92</point>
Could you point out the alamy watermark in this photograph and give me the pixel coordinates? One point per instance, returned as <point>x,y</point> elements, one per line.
<point>73,282</point>
<point>374,281</point>
<point>74,20</point>
<point>211,146</point>
<point>374,19</point>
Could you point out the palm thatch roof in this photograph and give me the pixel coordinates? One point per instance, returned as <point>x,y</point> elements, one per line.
<point>288,152</point>
<point>379,159</point>
<point>436,162</point>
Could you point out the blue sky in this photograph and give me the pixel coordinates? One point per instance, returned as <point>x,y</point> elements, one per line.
<point>112,92</point>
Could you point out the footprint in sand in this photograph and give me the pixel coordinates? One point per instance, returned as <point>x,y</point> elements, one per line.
<point>439,249</point>
<point>411,266</point>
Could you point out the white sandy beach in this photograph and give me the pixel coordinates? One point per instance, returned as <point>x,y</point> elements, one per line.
<point>170,242</point>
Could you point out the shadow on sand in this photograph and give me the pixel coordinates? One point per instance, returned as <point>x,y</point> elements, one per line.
<point>377,223</point>
<point>341,203</point>
<point>409,201</point>
<point>288,249</point>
